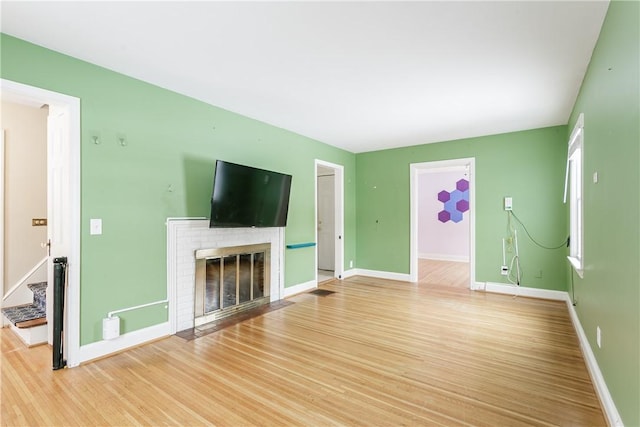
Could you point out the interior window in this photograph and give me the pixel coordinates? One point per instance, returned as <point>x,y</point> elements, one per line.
<point>574,190</point>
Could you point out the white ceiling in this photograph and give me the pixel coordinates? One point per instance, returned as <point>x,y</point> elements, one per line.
<point>357,75</point>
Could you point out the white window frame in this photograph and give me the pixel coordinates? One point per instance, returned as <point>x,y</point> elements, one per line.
<point>574,188</point>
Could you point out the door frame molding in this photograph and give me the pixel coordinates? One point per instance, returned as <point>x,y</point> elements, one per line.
<point>2,173</point>
<point>339,216</point>
<point>21,92</point>
<point>414,170</point>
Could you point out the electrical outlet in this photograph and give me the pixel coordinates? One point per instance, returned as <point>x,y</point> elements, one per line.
<point>350,263</point>
<point>598,337</point>
<point>504,270</point>
<point>508,203</point>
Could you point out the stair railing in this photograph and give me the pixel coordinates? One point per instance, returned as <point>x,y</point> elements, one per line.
<point>26,278</point>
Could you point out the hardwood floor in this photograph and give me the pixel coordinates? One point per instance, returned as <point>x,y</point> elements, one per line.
<point>374,353</point>
<point>443,273</point>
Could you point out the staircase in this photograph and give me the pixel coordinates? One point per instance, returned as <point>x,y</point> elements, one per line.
<point>29,321</point>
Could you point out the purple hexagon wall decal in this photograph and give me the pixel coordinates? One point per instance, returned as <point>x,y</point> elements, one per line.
<point>443,196</point>
<point>444,216</point>
<point>462,205</point>
<point>462,185</point>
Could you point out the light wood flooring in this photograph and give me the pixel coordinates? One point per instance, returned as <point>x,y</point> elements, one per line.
<point>324,275</point>
<point>374,353</point>
<point>443,273</point>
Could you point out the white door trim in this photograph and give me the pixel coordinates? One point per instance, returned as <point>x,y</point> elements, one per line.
<point>415,169</point>
<point>18,92</point>
<point>339,218</point>
<point>2,172</point>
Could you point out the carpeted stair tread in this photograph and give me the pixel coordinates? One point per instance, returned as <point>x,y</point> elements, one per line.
<point>23,313</point>
<point>38,288</point>
<point>28,315</point>
<point>39,294</point>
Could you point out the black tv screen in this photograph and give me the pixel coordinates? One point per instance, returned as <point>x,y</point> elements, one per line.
<point>248,197</point>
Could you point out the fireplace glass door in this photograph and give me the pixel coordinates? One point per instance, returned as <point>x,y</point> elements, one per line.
<point>229,280</point>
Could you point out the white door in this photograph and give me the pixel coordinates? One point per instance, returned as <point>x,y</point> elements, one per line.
<point>326,222</point>
<point>58,198</point>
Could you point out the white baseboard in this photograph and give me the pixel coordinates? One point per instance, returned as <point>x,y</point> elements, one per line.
<point>349,273</point>
<point>299,288</point>
<point>106,347</point>
<point>444,257</point>
<point>381,274</point>
<point>610,410</point>
<point>523,291</point>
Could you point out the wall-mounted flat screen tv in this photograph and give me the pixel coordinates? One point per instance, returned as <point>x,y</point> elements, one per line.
<point>244,196</point>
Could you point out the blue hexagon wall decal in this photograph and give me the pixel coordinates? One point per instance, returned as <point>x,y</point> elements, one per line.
<point>457,195</point>
<point>456,216</point>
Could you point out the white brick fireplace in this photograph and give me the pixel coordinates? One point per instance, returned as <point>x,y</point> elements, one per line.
<point>185,236</point>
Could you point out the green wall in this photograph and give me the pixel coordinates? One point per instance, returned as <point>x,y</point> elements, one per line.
<point>528,166</point>
<point>173,141</point>
<point>609,294</point>
<point>165,170</point>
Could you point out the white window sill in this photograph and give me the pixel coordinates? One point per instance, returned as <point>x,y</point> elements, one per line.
<point>576,263</point>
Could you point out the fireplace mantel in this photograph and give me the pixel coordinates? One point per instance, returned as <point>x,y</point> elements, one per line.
<point>185,236</point>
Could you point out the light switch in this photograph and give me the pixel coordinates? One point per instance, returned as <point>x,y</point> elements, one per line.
<point>95,226</point>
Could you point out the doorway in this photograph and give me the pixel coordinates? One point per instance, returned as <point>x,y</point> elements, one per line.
<point>329,221</point>
<point>63,199</point>
<point>451,211</point>
<point>23,259</point>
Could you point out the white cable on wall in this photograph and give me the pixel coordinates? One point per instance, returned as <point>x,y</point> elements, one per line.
<point>111,313</point>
